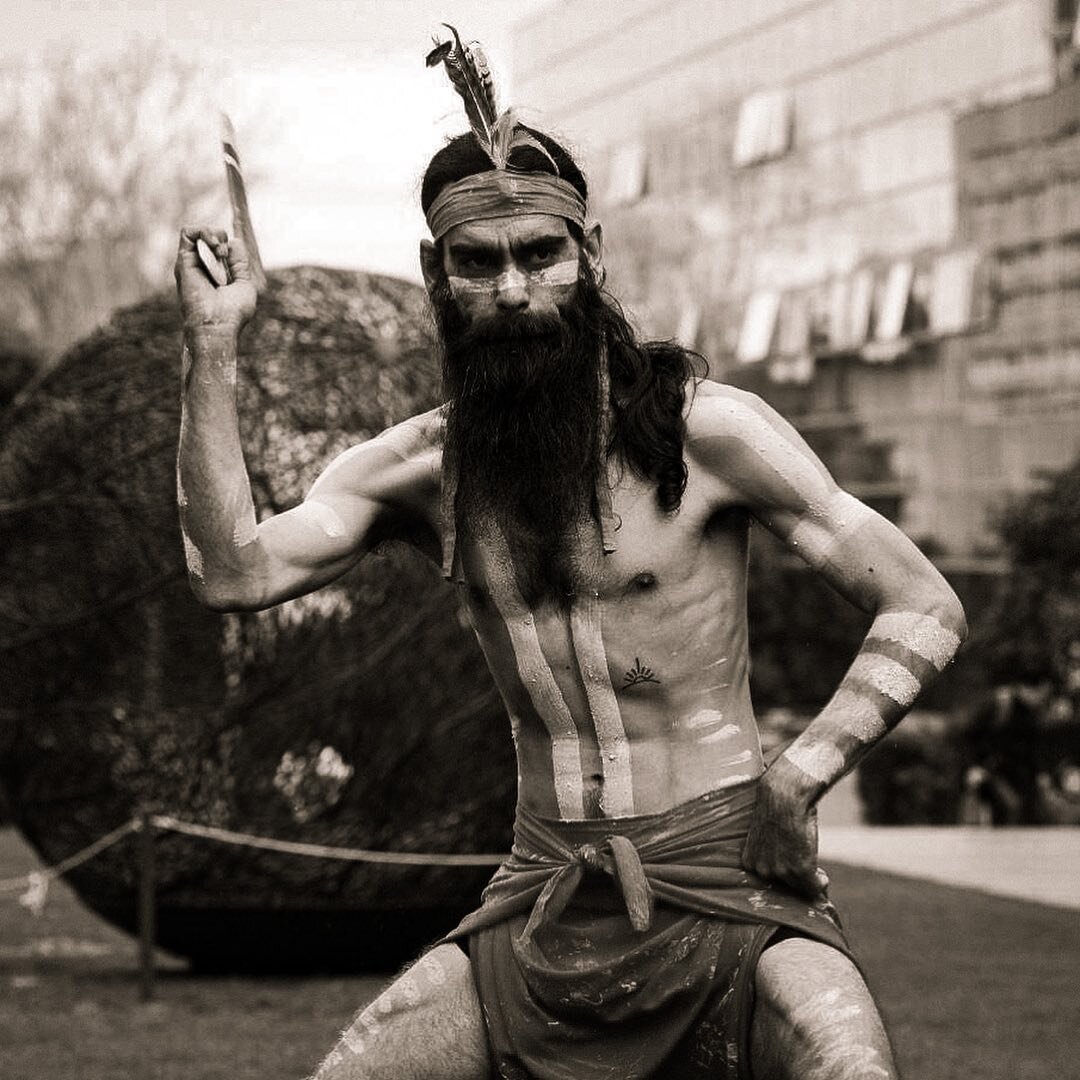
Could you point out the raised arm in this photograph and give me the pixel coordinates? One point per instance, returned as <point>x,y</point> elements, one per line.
<point>918,622</point>
<point>384,487</point>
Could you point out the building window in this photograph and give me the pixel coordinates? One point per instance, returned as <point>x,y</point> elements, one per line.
<point>764,128</point>
<point>627,174</point>
<point>759,325</point>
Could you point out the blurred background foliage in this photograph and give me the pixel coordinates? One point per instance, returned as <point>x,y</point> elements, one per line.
<point>102,155</point>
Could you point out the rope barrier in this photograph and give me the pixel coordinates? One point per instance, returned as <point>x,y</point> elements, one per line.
<point>34,885</point>
<point>322,851</point>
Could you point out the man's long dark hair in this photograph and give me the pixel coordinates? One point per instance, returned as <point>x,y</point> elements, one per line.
<point>648,379</point>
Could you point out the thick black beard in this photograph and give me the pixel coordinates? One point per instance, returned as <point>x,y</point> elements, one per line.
<point>523,430</point>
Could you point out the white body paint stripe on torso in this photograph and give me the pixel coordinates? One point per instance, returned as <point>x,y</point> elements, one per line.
<point>586,627</point>
<point>539,682</point>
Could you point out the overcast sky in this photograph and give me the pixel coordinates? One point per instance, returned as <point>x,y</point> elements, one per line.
<point>355,114</point>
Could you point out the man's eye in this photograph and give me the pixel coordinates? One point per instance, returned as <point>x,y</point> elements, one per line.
<point>542,256</point>
<point>475,263</point>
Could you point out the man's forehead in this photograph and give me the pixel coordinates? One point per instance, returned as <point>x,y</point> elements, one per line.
<point>512,229</point>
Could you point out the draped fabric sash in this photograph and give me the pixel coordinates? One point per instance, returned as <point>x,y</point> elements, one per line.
<point>599,944</point>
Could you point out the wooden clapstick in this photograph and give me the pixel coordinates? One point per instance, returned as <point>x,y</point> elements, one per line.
<point>215,269</point>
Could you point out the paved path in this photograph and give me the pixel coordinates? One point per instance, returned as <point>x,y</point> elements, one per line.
<point>1039,864</point>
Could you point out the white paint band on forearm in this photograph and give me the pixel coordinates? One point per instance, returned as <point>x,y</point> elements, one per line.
<point>823,528</point>
<point>857,715</point>
<point>887,676</point>
<point>821,761</point>
<point>922,634</point>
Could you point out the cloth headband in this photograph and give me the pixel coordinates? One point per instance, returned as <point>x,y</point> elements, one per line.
<point>498,193</point>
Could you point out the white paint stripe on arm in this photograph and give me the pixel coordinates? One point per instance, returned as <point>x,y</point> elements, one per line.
<point>822,529</point>
<point>586,627</point>
<point>922,634</point>
<point>819,760</point>
<point>886,675</point>
<point>321,516</point>
<point>857,715</point>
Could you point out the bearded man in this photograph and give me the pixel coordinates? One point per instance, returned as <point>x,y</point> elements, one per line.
<point>662,912</point>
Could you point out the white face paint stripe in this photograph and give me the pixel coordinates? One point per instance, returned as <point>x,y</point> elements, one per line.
<point>820,532</point>
<point>858,716</point>
<point>557,276</point>
<point>539,682</point>
<point>319,515</point>
<point>886,675</point>
<point>586,626</point>
<point>460,286</point>
<point>922,634</point>
<point>563,273</point>
<point>819,760</point>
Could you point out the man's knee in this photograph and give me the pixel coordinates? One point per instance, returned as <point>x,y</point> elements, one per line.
<point>814,1018</point>
<point>427,1023</point>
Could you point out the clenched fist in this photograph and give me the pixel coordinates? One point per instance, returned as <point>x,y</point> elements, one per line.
<point>204,305</point>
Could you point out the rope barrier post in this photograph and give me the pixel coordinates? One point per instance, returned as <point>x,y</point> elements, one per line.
<point>147,907</point>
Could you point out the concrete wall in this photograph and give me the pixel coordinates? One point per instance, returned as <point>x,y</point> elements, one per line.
<point>875,86</point>
<point>874,171</point>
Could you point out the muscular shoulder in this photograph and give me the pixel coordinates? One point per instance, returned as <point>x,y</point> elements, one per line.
<point>738,438</point>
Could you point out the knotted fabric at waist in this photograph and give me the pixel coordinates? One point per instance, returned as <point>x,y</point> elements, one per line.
<point>615,856</point>
<point>688,857</point>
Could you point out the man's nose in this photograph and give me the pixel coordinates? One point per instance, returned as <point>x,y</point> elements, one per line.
<point>512,291</point>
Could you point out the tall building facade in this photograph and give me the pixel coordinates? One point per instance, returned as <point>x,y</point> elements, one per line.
<point>866,210</point>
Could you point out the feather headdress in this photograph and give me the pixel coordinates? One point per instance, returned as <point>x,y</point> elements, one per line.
<point>470,74</point>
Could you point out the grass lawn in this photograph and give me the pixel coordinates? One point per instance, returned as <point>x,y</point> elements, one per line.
<point>972,987</point>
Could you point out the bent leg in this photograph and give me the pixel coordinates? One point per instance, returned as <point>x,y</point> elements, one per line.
<point>814,1018</point>
<point>427,1025</point>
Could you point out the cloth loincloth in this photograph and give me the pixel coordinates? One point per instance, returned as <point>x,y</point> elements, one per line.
<point>614,948</point>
